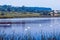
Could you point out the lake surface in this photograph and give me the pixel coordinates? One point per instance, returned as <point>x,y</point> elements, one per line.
<point>32,28</point>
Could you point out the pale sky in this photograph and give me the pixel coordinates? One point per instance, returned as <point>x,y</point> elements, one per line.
<point>54,4</point>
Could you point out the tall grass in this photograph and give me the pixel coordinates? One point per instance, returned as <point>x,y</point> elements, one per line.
<point>30,36</point>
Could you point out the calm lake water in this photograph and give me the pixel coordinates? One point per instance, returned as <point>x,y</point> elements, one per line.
<point>32,27</point>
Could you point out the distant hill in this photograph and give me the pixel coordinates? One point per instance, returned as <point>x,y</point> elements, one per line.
<point>23,9</point>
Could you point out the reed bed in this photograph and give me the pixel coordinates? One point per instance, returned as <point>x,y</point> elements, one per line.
<point>30,36</point>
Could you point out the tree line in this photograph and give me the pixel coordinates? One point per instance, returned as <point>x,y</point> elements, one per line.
<point>10,8</point>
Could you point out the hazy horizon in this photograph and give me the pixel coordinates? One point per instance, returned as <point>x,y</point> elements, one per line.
<point>54,4</point>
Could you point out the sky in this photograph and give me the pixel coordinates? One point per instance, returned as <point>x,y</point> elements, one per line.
<point>54,4</point>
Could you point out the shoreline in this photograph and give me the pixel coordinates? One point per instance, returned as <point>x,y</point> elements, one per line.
<point>31,17</point>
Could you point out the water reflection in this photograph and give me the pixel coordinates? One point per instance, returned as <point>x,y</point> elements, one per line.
<point>41,29</point>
